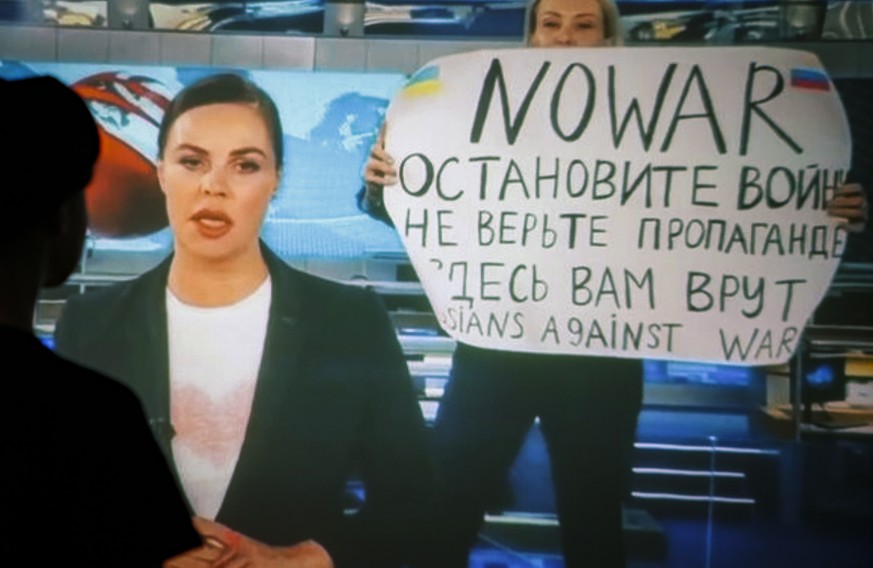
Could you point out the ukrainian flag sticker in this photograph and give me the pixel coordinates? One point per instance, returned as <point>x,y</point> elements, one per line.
<point>425,82</point>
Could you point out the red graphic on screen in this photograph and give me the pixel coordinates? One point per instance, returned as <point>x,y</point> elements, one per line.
<point>124,198</point>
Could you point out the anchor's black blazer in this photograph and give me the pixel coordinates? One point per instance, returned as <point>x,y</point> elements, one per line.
<point>333,399</point>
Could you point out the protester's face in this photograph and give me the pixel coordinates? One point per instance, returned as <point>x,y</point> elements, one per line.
<point>218,172</point>
<point>568,23</point>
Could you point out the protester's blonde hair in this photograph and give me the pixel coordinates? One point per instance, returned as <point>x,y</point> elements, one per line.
<point>611,21</point>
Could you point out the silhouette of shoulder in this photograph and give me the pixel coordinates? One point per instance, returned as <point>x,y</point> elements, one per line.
<point>85,479</point>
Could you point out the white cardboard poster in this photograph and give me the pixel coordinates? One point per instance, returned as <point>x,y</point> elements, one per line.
<point>664,203</point>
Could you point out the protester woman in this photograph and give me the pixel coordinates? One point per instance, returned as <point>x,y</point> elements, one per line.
<point>587,406</point>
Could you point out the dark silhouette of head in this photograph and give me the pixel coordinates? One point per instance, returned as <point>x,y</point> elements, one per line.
<point>50,144</point>
<point>51,140</point>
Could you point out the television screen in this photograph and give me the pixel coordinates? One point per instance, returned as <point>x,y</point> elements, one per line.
<point>823,379</point>
<point>685,373</point>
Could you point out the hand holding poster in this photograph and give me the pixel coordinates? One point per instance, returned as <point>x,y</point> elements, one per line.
<point>660,203</point>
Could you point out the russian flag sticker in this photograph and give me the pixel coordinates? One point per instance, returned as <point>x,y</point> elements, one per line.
<point>814,79</point>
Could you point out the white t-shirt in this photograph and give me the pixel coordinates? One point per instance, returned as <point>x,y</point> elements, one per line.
<point>215,355</point>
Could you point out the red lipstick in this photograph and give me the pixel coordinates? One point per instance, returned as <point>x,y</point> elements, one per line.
<point>212,223</point>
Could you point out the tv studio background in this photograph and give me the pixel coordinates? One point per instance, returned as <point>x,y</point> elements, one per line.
<point>733,466</point>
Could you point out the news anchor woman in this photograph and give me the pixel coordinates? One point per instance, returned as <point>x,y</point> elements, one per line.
<point>587,406</point>
<point>267,387</point>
